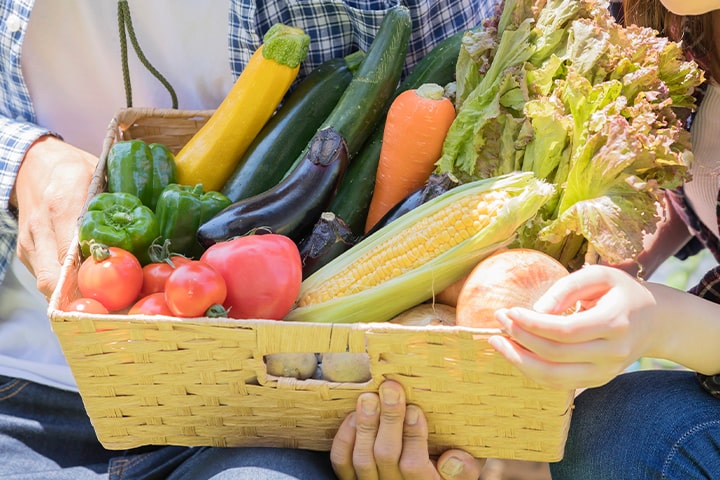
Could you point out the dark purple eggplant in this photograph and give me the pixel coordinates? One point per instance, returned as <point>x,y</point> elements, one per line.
<point>291,207</point>
<point>329,237</point>
<point>436,185</point>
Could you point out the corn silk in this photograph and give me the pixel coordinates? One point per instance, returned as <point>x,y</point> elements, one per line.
<point>558,88</point>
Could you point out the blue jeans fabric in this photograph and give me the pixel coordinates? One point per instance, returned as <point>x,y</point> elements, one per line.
<point>657,424</point>
<point>45,434</point>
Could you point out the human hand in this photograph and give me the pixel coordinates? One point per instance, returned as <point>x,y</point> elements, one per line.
<point>387,439</point>
<point>612,328</point>
<point>50,191</point>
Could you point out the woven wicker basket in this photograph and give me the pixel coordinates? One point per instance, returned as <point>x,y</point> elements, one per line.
<point>202,381</point>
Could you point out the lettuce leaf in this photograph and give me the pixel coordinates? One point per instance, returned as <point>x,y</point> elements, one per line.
<point>584,103</point>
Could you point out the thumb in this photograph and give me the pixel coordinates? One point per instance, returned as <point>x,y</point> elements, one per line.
<point>459,465</point>
<point>584,286</point>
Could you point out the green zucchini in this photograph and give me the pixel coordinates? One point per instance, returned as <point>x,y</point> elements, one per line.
<point>352,200</point>
<point>368,96</point>
<point>289,131</point>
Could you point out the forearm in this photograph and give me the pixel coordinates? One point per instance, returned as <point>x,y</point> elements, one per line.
<point>15,139</point>
<point>688,329</point>
<point>668,239</point>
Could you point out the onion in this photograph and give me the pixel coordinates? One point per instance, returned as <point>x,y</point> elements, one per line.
<point>426,314</point>
<point>450,295</point>
<point>509,278</point>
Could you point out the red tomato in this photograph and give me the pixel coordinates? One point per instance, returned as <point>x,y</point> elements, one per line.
<point>262,272</point>
<point>112,276</point>
<point>155,274</point>
<point>86,305</point>
<point>153,304</point>
<point>193,287</point>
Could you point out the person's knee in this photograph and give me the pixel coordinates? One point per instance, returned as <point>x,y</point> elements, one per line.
<point>255,463</point>
<point>639,425</point>
<point>694,454</point>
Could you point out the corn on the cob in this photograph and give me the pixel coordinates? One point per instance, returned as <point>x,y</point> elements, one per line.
<point>420,243</point>
<point>422,252</point>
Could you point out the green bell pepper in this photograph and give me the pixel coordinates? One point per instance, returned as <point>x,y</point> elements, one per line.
<point>181,209</point>
<point>119,219</point>
<point>141,169</point>
<point>164,170</point>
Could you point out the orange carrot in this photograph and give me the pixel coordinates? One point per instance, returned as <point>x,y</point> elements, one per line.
<point>415,129</point>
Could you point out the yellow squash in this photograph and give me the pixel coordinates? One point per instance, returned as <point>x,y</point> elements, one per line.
<point>210,155</point>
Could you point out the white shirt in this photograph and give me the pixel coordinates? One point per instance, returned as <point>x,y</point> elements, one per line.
<point>73,68</point>
<point>702,190</point>
<point>28,347</point>
<point>71,64</point>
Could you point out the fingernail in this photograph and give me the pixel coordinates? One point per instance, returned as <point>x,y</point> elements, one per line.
<point>502,318</point>
<point>452,467</point>
<point>495,342</point>
<point>411,415</point>
<point>545,304</point>
<point>369,405</point>
<point>389,396</point>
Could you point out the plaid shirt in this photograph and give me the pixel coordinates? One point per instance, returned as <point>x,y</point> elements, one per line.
<point>336,28</point>
<point>17,129</point>
<point>709,285</point>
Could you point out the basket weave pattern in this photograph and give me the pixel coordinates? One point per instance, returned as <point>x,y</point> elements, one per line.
<point>202,381</point>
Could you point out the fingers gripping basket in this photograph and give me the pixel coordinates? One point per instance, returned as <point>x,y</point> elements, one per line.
<point>202,381</point>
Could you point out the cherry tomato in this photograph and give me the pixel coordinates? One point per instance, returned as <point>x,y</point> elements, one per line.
<point>86,305</point>
<point>153,304</point>
<point>193,288</point>
<point>262,272</point>
<point>156,274</point>
<point>110,275</point>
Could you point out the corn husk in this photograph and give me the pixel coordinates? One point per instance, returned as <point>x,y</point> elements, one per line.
<point>527,195</point>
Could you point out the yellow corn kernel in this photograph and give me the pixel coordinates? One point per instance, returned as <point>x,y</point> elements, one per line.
<point>423,241</point>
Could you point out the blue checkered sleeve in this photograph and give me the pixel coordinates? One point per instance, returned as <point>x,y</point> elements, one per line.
<point>15,139</point>
<point>17,131</point>
<point>339,27</point>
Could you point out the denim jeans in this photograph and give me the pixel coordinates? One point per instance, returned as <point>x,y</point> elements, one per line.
<point>45,434</point>
<point>657,424</point>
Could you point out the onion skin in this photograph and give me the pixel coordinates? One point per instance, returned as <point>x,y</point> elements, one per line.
<point>426,314</point>
<point>509,278</point>
<point>450,295</point>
